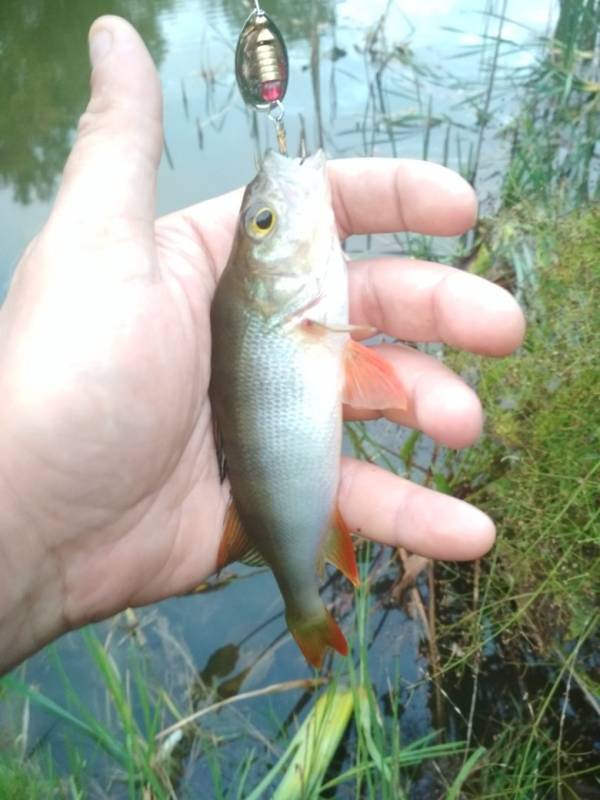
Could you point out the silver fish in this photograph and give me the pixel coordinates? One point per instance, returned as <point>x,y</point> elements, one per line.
<point>282,364</point>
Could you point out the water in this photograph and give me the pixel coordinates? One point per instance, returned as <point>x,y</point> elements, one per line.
<point>212,142</point>
<point>44,74</point>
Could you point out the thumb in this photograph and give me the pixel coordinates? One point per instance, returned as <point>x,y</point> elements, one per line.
<point>111,171</point>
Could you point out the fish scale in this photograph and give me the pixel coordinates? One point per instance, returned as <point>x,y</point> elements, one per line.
<point>284,459</point>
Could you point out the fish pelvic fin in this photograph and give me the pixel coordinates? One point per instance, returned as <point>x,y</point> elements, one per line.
<point>371,381</point>
<point>313,636</point>
<point>339,549</point>
<point>235,544</point>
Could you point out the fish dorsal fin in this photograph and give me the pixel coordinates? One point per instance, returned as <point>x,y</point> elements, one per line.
<point>370,380</point>
<point>235,545</point>
<point>339,549</point>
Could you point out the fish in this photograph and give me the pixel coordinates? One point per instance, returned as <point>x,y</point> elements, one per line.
<point>283,363</point>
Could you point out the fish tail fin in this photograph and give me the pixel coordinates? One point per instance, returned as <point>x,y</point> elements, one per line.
<point>313,636</point>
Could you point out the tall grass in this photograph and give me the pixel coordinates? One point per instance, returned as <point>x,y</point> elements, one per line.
<point>140,762</point>
<point>126,733</point>
<point>532,606</point>
<point>553,138</point>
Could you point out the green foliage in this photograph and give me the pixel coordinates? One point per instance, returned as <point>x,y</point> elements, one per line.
<point>537,469</point>
<point>554,136</point>
<point>127,734</point>
<point>26,780</point>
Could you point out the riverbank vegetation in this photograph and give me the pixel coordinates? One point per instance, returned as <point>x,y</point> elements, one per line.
<point>506,661</point>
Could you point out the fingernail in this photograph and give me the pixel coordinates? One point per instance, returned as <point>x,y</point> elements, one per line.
<point>100,44</point>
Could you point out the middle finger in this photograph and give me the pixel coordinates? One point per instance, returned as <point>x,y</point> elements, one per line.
<point>427,302</point>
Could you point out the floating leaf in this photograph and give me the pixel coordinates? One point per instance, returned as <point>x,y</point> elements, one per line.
<point>315,744</point>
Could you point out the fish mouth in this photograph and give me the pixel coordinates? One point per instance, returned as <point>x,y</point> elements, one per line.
<point>274,160</point>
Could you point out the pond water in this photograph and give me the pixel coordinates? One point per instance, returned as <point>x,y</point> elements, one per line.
<point>208,132</point>
<point>406,78</point>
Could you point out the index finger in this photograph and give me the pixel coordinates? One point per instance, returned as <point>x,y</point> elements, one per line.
<point>369,195</point>
<point>388,195</point>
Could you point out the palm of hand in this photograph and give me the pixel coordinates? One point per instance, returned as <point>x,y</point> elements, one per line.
<point>116,424</point>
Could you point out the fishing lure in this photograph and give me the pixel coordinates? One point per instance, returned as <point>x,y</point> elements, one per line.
<point>262,68</point>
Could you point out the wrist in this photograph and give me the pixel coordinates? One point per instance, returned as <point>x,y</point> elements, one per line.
<point>31,593</point>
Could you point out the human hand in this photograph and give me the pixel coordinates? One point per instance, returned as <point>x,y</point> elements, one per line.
<point>109,486</point>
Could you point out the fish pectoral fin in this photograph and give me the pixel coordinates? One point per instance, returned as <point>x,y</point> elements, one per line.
<point>339,549</point>
<point>326,327</point>
<point>370,380</point>
<point>313,636</point>
<point>235,545</point>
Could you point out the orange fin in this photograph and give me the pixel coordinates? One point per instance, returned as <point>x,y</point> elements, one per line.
<point>235,545</point>
<point>370,380</point>
<point>339,549</point>
<point>322,327</point>
<point>314,636</point>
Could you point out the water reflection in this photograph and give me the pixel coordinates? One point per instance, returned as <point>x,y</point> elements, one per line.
<point>44,73</point>
<point>295,20</point>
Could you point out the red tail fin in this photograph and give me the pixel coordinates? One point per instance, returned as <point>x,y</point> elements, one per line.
<point>315,635</point>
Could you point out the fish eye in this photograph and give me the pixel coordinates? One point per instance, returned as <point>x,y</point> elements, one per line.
<point>260,222</point>
<point>264,219</point>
